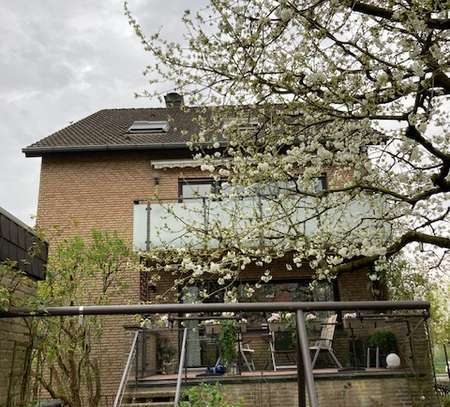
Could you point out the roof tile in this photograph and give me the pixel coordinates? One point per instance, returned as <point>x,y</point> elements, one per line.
<point>108,128</point>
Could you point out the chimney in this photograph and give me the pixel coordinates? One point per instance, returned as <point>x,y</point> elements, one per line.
<point>174,99</point>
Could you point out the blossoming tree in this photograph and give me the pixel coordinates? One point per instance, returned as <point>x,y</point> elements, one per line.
<point>353,90</point>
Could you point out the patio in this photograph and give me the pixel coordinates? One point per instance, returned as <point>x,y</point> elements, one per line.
<point>355,384</point>
<point>262,375</point>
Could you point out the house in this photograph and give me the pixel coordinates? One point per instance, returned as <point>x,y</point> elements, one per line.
<point>27,254</point>
<point>102,172</point>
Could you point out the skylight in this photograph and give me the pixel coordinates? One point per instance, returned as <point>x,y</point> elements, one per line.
<point>144,126</point>
<point>241,124</point>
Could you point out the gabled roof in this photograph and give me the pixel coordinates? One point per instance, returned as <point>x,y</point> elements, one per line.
<point>107,130</point>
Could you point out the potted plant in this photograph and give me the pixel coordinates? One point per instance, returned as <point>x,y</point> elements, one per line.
<point>384,342</point>
<point>228,338</point>
<point>280,321</point>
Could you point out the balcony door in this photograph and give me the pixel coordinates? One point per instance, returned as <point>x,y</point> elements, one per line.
<point>201,348</point>
<point>193,345</point>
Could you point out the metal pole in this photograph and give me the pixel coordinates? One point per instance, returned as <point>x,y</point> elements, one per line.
<point>213,307</point>
<point>300,375</point>
<point>123,380</point>
<point>304,350</point>
<point>180,367</point>
<point>205,215</point>
<point>147,234</point>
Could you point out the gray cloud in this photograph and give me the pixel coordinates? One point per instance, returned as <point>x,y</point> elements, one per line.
<point>60,61</point>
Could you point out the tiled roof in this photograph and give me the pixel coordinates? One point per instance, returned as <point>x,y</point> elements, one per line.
<point>107,130</point>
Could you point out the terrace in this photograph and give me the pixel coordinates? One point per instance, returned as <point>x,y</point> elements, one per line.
<point>265,373</point>
<point>353,381</point>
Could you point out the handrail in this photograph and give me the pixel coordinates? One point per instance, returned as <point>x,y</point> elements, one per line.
<point>209,198</point>
<point>119,395</point>
<point>298,307</point>
<point>181,367</point>
<point>215,307</point>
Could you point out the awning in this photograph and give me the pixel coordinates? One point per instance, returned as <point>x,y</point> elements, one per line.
<point>176,163</point>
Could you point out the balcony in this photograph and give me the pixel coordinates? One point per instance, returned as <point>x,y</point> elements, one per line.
<point>196,221</point>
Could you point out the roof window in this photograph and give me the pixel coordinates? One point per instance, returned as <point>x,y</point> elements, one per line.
<point>144,126</point>
<point>241,124</point>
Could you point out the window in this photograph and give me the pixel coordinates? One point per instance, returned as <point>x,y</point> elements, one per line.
<point>241,124</point>
<point>320,184</point>
<point>276,188</point>
<point>144,126</point>
<point>287,291</point>
<point>197,188</point>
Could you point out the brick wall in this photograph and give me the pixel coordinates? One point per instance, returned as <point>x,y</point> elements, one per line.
<point>345,391</point>
<point>15,352</point>
<point>79,192</point>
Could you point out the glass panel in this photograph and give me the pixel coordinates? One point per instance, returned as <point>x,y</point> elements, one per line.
<point>139,226</point>
<point>169,223</point>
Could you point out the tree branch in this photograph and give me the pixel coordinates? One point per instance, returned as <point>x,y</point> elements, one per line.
<point>375,11</point>
<point>407,238</point>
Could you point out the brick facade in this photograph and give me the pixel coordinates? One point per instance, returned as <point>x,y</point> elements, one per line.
<point>345,391</point>
<point>23,259</point>
<point>15,352</point>
<point>79,192</point>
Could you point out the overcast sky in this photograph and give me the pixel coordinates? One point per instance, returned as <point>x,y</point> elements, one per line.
<point>61,61</point>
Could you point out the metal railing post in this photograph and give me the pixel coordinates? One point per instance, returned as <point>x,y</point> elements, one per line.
<point>136,362</point>
<point>119,395</point>
<point>147,236</point>
<point>205,215</point>
<point>180,367</point>
<point>302,339</point>
<point>300,376</point>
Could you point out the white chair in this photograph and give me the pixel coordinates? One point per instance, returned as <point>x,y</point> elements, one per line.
<point>325,342</point>
<point>247,356</point>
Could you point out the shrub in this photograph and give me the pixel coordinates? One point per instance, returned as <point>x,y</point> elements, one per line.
<point>445,400</point>
<point>228,337</point>
<point>384,340</point>
<point>206,395</point>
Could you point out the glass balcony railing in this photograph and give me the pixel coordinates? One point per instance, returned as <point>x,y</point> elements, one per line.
<point>196,221</point>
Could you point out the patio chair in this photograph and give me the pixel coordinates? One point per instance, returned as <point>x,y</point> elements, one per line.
<point>281,344</point>
<point>247,356</point>
<point>325,342</point>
